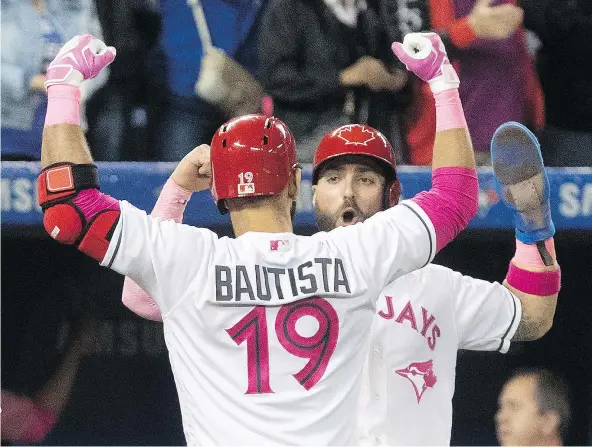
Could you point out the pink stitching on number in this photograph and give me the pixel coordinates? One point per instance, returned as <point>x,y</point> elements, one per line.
<point>253,328</point>
<point>318,348</point>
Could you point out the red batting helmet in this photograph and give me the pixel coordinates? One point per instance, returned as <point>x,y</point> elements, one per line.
<point>252,155</point>
<point>358,139</point>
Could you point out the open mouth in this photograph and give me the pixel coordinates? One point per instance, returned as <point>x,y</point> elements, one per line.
<point>349,216</point>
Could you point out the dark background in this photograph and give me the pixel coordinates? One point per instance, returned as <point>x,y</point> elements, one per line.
<point>125,395</point>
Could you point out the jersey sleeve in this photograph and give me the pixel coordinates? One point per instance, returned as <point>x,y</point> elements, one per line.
<point>487,314</point>
<point>391,243</point>
<point>162,257</point>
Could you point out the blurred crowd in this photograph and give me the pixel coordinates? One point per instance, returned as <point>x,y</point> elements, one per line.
<point>316,64</point>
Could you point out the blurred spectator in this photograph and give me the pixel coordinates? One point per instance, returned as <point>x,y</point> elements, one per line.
<point>187,120</point>
<point>488,48</point>
<point>121,113</point>
<point>30,419</point>
<point>33,31</point>
<point>320,61</point>
<point>565,30</point>
<point>533,409</point>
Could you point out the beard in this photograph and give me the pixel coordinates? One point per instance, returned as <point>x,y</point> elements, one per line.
<point>348,214</point>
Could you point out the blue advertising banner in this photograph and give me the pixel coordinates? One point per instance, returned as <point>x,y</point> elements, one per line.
<point>140,182</point>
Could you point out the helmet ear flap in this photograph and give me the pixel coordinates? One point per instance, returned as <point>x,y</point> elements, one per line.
<point>392,194</point>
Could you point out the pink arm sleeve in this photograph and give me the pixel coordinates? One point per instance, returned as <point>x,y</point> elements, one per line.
<point>451,202</point>
<point>170,205</point>
<point>23,420</point>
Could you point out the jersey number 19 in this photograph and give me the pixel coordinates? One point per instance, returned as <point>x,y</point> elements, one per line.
<point>318,348</point>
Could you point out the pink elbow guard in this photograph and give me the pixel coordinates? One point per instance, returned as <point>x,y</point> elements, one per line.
<point>74,210</point>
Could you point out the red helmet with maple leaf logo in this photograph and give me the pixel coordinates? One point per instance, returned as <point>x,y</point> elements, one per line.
<point>359,139</point>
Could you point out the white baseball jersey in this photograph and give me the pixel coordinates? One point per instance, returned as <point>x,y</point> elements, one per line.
<point>268,333</point>
<point>422,320</point>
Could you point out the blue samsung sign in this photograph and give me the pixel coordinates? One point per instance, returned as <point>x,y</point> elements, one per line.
<point>139,183</point>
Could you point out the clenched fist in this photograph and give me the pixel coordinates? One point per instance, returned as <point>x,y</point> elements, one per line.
<point>82,57</point>
<point>194,172</point>
<point>424,54</point>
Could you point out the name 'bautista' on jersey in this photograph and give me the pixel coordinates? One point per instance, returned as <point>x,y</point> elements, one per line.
<point>259,282</point>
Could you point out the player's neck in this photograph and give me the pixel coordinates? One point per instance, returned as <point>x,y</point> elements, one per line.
<point>263,220</point>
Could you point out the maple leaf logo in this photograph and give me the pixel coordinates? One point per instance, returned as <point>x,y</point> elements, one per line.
<point>356,134</point>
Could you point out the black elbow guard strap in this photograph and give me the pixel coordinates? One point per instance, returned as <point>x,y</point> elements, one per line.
<point>61,181</point>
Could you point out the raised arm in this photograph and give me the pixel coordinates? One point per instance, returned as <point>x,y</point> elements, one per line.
<point>76,212</point>
<point>406,237</point>
<point>170,205</point>
<point>534,274</point>
<point>453,199</point>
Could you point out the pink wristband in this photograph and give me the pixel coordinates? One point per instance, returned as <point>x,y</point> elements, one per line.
<point>534,283</point>
<point>171,202</point>
<point>63,105</point>
<point>528,256</point>
<point>449,111</point>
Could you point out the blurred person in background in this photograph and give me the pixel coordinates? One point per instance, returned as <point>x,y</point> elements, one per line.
<point>533,409</point>
<point>233,27</point>
<point>122,114</point>
<point>321,62</point>
<point>488,49</point>
<point>29,419</point>
<point>565,30</point>
<point>33,31</point>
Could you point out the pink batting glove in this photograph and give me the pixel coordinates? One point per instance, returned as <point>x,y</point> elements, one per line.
<point>424,54</point>
<point>82,57</point>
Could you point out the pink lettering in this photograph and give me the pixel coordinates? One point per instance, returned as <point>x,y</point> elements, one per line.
<point>390,310</point>
<point>432,339</point>
<point>426,322</point>
<point>407,314</point>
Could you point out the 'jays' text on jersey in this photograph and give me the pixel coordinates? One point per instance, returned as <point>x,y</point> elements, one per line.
<point>422,320</point>
<point>268,333</point>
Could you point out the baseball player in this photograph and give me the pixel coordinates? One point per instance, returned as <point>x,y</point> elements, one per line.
<point>423,317</point>
<point>267,333</point>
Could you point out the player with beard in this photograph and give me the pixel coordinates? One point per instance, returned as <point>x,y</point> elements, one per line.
<point>425,317</point>
<point>249,368</point>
